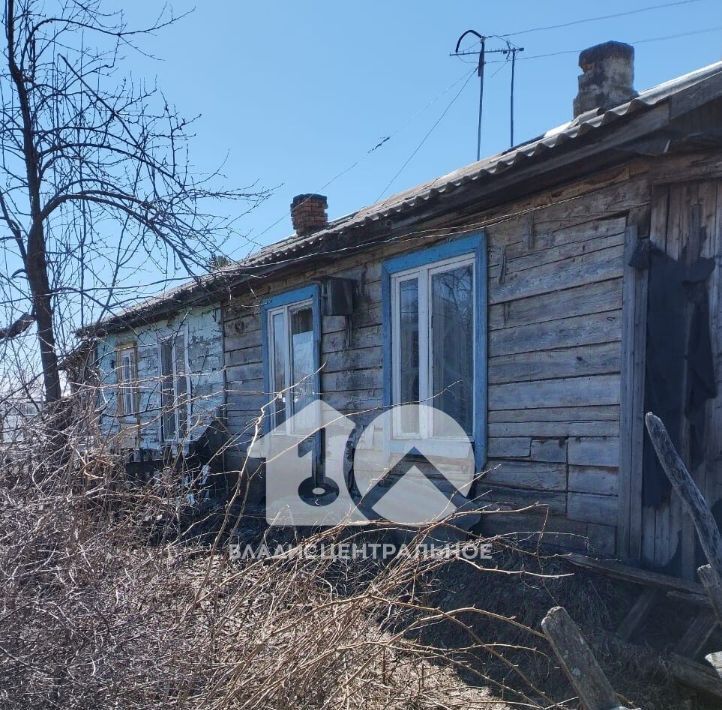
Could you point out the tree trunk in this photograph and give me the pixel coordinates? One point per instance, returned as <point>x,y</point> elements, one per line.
<point>37,273</point>
<point>36,262</point>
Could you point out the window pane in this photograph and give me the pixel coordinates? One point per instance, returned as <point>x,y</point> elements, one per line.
<point>278,380</point>
<point>166,392</point>
<point>302,358</point>
<point>127,389</point>
<point>181,384</point>
<point>409,352</point>
<point>452,346</point>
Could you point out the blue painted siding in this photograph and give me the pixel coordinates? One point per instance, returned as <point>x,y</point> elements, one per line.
<point>203,327</point>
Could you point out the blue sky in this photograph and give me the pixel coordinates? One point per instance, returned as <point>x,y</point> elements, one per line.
<point>292,93</point>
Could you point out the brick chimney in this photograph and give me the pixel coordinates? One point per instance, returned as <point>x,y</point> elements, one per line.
<point>308,213</point>
<point>607,79</point>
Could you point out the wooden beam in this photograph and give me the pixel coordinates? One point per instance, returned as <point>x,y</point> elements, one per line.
<point>638,613</point>
<point>697,634</point>
<point>683,483</point>
<point>711,583</point>
<point>578,661</point>
<point>687,598</point>
<point>634,343</point>
<point>695,675</point>
<point>636,575</point>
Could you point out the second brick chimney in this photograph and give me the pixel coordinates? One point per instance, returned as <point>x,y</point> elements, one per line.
<point>308,213</point>
<point>608,78</point>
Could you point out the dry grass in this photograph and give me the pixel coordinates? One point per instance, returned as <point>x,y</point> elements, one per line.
<point>106,603</point>
<point>92,615</point>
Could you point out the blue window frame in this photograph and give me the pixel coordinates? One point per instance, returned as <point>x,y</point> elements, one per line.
<point>291,333</point>
<point>435,336</point>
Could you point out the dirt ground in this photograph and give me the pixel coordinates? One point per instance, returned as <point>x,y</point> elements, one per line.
<point>522,585</point>
<point>522,582</point>
<point>638,670</point>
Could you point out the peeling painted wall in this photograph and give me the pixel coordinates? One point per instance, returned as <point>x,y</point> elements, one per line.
<point>205,363</point>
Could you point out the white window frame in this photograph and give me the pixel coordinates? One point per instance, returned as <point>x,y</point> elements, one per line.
<point>424,274</point>
<point>127,387</point>
<point>286,310</point>
<point>173,337</point>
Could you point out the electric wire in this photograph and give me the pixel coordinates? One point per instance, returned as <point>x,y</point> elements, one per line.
<point>382,142</point>
<point>426,136</point>
<point>581,21</point>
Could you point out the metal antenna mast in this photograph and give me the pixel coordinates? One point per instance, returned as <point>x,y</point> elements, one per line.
<point>512,50</point>
<point>482,52</point>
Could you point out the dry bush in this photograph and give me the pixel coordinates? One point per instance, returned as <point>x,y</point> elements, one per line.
<point>99,610</point>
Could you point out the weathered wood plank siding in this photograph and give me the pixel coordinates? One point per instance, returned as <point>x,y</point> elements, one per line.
<point>554,349</point>
<point>205,362</point>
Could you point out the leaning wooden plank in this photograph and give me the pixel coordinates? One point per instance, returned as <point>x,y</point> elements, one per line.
<point>578,661</point>
<point>638,613</point>
<point>695,675</point>
<point>713,587</point>
<point>634,574</point>
<point>683,483</point>
<point>697,634</point>
<point>701,600</point>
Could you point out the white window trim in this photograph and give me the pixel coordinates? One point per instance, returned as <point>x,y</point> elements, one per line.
<point>127,387</point>
<point>423,275</point>
<point>163,339</point>
<point>286,310</point>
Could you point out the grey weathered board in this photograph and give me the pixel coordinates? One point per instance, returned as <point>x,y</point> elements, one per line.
<point>666,531</point>
<point>578,662</point>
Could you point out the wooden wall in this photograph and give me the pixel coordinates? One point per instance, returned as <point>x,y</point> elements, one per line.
<point>205,361</point>
<point>555,286</point>
<point>687,224</point>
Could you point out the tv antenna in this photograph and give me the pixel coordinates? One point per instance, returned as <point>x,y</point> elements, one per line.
<point>510,51</point>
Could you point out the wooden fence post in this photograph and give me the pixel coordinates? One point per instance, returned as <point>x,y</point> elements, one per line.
<point>686,488</point>
<point>578,661</point>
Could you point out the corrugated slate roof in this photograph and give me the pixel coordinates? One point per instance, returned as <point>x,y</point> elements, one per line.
<point>536,149</point>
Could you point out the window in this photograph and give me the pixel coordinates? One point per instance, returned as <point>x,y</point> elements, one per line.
<point>435,339</point>
<point>174,388</point>
<point>291,326</point>
<point>127,370</point>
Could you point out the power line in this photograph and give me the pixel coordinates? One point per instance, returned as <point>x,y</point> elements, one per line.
<point>600,17</point>
<point>426,136</point>
<point>385,139</point>
<point>379,144</point>
<point>647,40</point>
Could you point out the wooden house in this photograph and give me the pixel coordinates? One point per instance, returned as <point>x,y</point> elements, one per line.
<point>585,271</point>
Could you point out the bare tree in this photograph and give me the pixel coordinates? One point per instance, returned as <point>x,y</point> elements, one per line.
<point>95,178</point>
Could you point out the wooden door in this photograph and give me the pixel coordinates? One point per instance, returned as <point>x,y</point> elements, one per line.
<point>686,225</point>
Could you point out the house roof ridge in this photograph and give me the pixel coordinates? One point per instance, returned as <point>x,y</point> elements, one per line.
<point>489,166</point>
